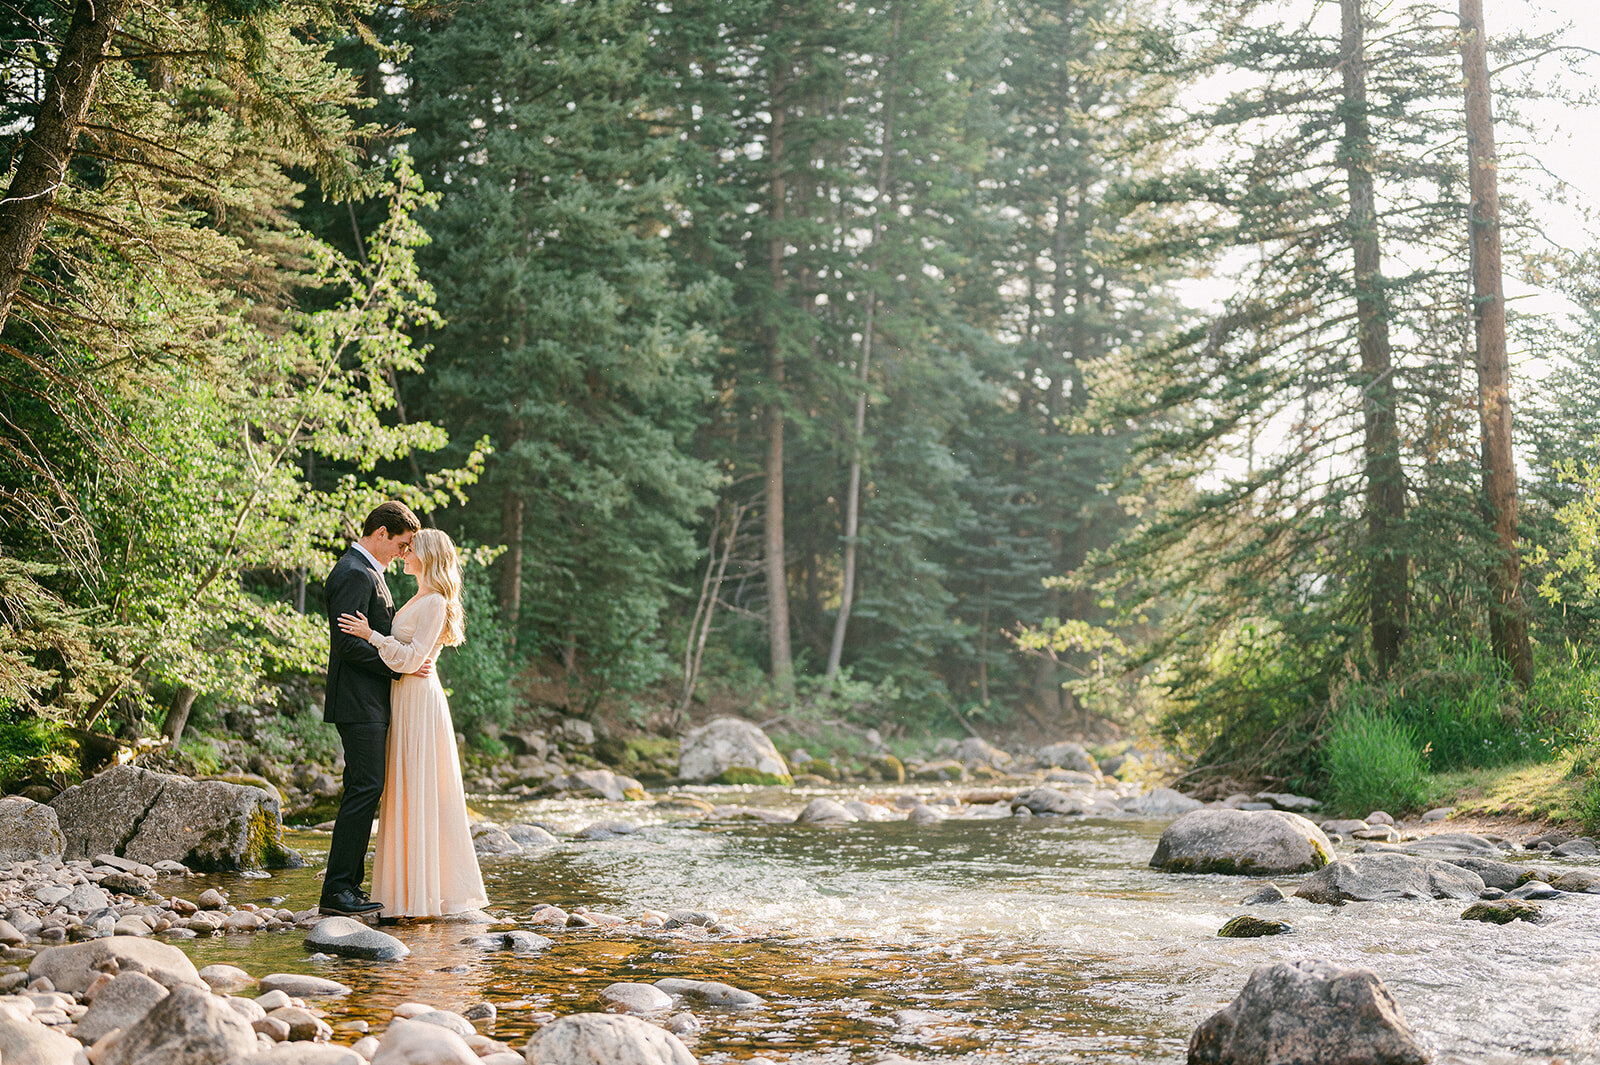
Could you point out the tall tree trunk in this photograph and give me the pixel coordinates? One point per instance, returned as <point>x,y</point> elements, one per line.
<point>1388,563</point>
<point>178,713</point>
<point>776,571</point>
<point>47,150</point>
<point>852,518</point>
<point>1508,615</point>
<point>509,591</point>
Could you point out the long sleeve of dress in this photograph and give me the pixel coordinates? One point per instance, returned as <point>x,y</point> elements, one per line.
<point>408,657</point>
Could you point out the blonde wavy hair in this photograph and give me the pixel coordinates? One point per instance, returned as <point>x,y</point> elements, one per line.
<point>441,569</point>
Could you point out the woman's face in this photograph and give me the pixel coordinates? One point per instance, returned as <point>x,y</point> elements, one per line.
<point>413,567</point>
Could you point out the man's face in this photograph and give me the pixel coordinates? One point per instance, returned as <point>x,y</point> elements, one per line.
<point>391,549</point>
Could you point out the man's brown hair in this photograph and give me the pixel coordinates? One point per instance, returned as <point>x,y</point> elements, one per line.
<point>393,516</point>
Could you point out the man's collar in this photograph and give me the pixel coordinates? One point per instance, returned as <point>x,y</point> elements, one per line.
<point>369,557</point>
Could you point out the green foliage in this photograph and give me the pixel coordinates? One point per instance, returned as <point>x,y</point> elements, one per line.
<point>1373,763</point>
<point>33,748</point>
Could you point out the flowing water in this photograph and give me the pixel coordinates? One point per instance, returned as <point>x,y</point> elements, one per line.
<point>1012,940</point>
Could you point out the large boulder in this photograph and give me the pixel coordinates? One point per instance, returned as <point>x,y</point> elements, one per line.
<point>74,967</point>
<point>1160,802</point>
<point>727,750</point>
<point>210,826</point>
<point>617,1039</point>
<point>1375,877</point>
<point>1247,842</point>
<point>1067,756</point>
<point>1308,1011</point>
<point>190,1026</point>
<point>29,831</point>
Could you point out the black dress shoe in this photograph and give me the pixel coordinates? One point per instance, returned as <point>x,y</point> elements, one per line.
<point>348,903</point>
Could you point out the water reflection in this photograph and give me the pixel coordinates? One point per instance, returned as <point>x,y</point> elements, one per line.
<point>1010,941</point>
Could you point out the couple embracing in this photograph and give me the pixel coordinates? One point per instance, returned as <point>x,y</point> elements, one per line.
<point>400,756</point>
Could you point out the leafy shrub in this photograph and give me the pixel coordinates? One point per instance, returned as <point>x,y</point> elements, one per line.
<point>33,748</point>
<point>1373,763</point>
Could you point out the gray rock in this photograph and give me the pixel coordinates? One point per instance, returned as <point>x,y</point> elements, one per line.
<point>225,979</point>
<point>1493,874</point>
<point>710,992</point>
<point>726,743</point>
<point>1576,848</point>
<point>1376,877</point>
<point>188,1027</point>
<point>1378,817</point>
<point>1047,800</point>
<point>453,1022</point>
<point>1254,843</point>
<point>1443,845</point>
<point>636,998</point>
<point>1440,814</point>
<point>868,811</point>
<point>1247,927</point>
<point>1380,833</point>
<point>601,782</point>
<point>1161,802</point>
<point>74,967</point>
<point>1342,827</point>
<point>481,1011</point>
<point>1308,1011</point>
<point>351,938</point>
<point>824,812</point>
<point>151,817</point>
<point>488,839</point>
<point>1578,881</point>
<point>302,1054</point>
<point>301,1023</point>
<point>1072,778</point>
<point>25,1041</point>
<point>123,1000</point>
<point>1067,756</point>
<point>616,1039</point>
<point>299,985</point>
<point>85,898</point>
<point>29,831</point>
<point>1503,911</point>
<point>414,1043</point>
<point>698,918</point>
<point>1534,889</point>
<point>530,835</point>
<point>522,941</point>
<point>1295,804</point>
<point>607,830</point>
<point>1265,895</point>
<point>923,814</point>
<point>973,752</point>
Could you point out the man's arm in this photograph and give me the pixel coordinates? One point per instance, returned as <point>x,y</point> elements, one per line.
<point>350,592</point>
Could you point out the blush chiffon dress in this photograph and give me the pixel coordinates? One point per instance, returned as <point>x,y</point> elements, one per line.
<point>424,863</point>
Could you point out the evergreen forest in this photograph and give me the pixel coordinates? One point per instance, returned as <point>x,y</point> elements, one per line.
<point>1211,374</point>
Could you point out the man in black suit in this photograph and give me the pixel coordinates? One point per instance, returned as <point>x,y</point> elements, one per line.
<point>357,700</point>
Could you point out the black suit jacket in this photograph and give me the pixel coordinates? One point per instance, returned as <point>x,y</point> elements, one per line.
<point>358,681</point>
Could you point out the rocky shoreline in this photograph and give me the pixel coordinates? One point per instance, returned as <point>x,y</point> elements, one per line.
<point>86,979</point>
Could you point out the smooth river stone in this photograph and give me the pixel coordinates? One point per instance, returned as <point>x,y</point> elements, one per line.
<point>1376,877</point>
<point>225,979</point>
<point>188,1027</point>
<point>73,968</point>
<point>24,1041</point>
<point>414,1043</point>
<point>303,1054</point>
<point>636,998</point>
<point>616,1039</point>
<point>351,938</point>
<point>453,1022</point>
<point>121,1001</point>
<point>825,812</point>
<point>710,992</point>
<point>1254,843</point>
<point>299,985</point>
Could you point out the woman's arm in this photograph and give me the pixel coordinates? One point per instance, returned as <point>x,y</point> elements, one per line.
<point>409,657</point>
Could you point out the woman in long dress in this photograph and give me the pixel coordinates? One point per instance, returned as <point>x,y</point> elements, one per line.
<point>424,865</point>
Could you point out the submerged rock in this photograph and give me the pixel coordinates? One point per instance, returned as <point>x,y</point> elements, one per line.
<point>1308,1011</point>
<point>1503,911</point>
<point>1376,877</point>
<point>711,992</point>
<point>728,750</point>
<point>1250,842</point>
<point>1246,927</point>
<point>1048,800</point>
<point>616,1039</point>
<point>825,812</point>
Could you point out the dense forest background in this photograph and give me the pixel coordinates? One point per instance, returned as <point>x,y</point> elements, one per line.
<point>1070,366</point>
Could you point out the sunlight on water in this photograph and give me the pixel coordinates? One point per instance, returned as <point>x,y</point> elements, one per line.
<point>1012,940</point>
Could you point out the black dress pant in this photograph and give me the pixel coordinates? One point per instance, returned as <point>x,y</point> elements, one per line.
<point>365,762</point>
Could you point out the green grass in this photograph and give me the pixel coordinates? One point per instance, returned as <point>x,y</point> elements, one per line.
<point>1373,763</point>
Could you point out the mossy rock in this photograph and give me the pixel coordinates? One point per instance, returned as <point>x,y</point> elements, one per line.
<point>821,767</point>
<point>736,775</point>
<point>1247,927</point>
<point>1503,911</point>
<point>889,769</point>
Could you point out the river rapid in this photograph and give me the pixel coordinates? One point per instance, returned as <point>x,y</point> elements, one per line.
<point>983,938</point>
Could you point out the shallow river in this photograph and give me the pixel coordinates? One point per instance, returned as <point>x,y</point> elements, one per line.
<point>1019,940</point>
